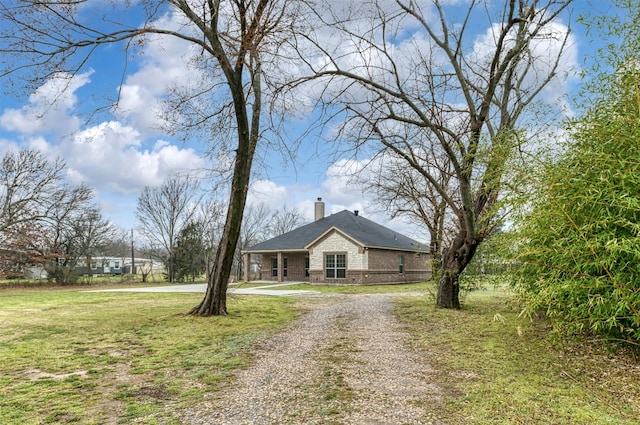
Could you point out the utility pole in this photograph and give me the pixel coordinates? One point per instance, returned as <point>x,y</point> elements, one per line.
<point>133,259</point>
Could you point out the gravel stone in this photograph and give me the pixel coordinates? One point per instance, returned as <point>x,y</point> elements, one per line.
<point>346,361</point>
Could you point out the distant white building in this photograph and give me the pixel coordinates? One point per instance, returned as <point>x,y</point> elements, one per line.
<point>118,266</point>
<point>101,265</point>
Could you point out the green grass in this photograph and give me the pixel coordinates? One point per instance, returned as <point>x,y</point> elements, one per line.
<point>332,386</point>
<point>345,289</point>
<point>84,281</point>
<point>73,357</point>
<point>498,368</point>
<point>70,357</point>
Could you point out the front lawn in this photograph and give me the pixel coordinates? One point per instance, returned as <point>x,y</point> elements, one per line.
<point>95,358</point>
<point>498,368</point>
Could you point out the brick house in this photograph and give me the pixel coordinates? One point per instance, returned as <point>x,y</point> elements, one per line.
<point>343,248</point>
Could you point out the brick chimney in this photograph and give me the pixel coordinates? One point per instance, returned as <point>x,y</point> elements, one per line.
<point>319,210</point>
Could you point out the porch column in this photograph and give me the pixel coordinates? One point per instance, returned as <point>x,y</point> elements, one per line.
<point>246,258</point>
<point>280,269</point>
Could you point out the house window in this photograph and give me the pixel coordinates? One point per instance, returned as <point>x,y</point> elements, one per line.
<point>335,266</point>
<point>306,266</point>
<point>401,264</point>
<point>274,267</point>
<point>284,267</point>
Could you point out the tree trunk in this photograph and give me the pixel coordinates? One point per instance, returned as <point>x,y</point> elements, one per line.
<point>215,300</point>
<point>88,264</point>
<point>436,258</point>
<point>248,128</point>
<point>171,268</point>
<point>448,291</point>
<point>454,261</point>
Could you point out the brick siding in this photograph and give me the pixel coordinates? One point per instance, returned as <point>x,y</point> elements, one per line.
<point>295,267</point>
<point>364,266</point>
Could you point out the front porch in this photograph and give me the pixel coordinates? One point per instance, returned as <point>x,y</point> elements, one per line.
<point>278,267</point>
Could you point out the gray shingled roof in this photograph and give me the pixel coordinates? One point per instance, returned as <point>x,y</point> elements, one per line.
<point>368,233</point>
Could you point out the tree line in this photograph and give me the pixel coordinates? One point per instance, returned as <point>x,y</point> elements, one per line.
<point>49,224</point>
<point>182,227</point>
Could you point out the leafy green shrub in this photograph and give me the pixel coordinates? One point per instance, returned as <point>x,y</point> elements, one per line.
<point>579,246</point>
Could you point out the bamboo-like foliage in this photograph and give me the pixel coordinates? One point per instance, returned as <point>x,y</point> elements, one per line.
<point>579,247</point>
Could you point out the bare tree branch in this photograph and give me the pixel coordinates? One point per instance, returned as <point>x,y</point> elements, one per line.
<point>463,104</point>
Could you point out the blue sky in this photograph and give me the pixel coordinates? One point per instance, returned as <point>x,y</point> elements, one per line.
<point>121,150</point>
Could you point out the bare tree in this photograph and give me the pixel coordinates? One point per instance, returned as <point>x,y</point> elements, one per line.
<point>41,214</point>
<point>20,249</point>
<point>210,217</point>
<point>30,187</point>
<point>58,243</point>
<point>285,220</point>
<point>68,238</point>
<point>423,64</point>
<point>405,192</point>
<point>164,211</point>
<point>146,263</point>
<point>92,234</point>
<point>117,243</point>
<point>233,43</point>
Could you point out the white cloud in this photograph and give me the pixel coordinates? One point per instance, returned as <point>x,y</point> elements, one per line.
<point>107,156</point>
<point>343,189</point>
<point>166,63</point>
<point>269,193</point>
<point>50,107</point>
<point>42,145</point>
<point>545,50</point>
<point>110,156</point>
<point>6,146</point>
<point>346,189</point>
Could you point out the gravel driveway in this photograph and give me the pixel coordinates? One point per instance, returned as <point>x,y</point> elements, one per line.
<point>346,361</point>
